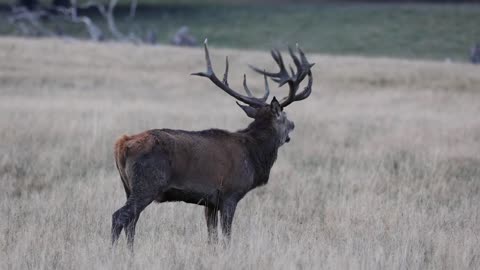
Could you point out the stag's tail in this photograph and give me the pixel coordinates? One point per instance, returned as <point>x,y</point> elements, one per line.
<point>120,160</point>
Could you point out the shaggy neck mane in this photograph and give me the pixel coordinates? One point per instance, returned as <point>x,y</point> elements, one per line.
<point>262,144</point>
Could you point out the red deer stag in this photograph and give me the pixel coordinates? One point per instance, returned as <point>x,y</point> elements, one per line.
<point>213,168</point>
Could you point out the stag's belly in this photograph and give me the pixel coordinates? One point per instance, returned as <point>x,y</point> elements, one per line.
<point>192,196</point>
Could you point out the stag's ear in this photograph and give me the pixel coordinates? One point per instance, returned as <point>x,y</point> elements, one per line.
<point>275,107</point>
<point>250,111</point>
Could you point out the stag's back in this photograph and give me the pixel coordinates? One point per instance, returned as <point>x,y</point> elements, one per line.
<point>204,159</point>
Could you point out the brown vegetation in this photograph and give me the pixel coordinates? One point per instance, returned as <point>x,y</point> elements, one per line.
<point>382,170</point>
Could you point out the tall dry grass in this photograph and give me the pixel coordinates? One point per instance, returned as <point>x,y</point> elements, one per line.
<point>383,171</point>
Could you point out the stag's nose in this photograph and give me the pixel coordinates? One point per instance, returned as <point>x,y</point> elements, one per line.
<point>292,125</point>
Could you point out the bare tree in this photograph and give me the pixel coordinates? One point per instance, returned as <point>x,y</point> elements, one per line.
<point>133,9</point>
<point>108,13</point>
<point>30,21</point>
<point>71,14</point>
<point>475,54</point>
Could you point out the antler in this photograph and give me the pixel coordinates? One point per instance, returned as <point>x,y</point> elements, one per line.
<point>223,84</point>
<point>294,79</point>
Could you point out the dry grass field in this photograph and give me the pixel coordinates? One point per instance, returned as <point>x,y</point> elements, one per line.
<point>383,170</point>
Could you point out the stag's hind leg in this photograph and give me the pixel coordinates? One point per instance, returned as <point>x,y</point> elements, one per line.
<point>127,216</point>
<point>211,215</point>
<point>130,232</point>
<point>149,177</point>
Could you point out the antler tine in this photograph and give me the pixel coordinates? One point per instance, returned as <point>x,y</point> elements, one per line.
<point>225,75</point>
<point>267,89</point>
<point>295,78</point>
<point>280,77</point>
<point>307,90</point>
<point>277,56</point>
<point>296,61</point>
<point>245,86</point>
<point>263,72</point>
<point>304,58</point>
<point>250,100</point>
<point>303,70</point>
<point>300,96</point>
<point>305,64</point>
<point>249,93</point>
<point>292,72</point>
<point>302,64</point>
<point>209,72</point>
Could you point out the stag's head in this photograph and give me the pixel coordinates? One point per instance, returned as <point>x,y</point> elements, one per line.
<point>269,115</point>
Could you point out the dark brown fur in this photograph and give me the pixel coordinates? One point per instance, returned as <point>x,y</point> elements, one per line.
<point>214,168</point>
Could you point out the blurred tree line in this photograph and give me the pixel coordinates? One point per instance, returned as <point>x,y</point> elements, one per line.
<point>32,4</point>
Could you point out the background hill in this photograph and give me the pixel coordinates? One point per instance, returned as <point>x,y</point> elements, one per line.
<point>407,30</point>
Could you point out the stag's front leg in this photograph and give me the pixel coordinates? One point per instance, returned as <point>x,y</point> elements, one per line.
<point>211,215</point>
<point>227,212</point>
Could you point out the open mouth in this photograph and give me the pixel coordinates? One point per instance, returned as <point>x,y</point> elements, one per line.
<point>287,139</point>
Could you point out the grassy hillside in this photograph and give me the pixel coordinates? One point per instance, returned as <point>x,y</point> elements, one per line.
<point>399,30</point>
<point>382,170</point>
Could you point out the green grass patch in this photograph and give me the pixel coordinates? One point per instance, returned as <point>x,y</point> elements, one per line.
<point>395,30</point>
